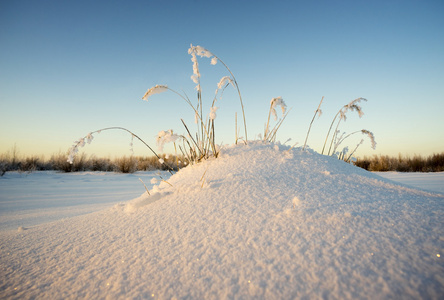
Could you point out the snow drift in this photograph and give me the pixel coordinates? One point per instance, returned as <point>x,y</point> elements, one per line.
<point>260,221</point>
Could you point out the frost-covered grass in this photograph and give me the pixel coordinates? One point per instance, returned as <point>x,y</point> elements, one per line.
<point>194,147</point>
<point>201,145</point>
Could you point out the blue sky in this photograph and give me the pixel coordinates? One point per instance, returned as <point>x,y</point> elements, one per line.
<point>71,67</point>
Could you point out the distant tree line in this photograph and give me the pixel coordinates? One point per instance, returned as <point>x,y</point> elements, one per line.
<point>416,163</point>
<point>12,161</point>
<point>58,162</point>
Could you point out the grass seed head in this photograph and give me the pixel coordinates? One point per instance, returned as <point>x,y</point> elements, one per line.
<point>154,90</point>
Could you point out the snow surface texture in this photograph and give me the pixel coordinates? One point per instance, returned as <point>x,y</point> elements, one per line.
<point>426,181</point>
<point>258,222</point>
<point>31,199</point>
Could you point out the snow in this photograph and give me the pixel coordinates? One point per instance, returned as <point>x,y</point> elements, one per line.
<point>261,221</point>
<point>427,181</point>
<point>29,199</point>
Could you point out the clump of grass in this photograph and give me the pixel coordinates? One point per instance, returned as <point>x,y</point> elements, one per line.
<point>343,153</point>
<point>351,106</point>
<point>336,139</point>
<point>194,147</point>
<point>201,145</point>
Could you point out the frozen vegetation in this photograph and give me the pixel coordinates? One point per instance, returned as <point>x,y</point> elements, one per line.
<point>261,221</point>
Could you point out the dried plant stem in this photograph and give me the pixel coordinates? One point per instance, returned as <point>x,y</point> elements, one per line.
<point>312,120</point>
<point>348,159</point>
<point>177,158</point>
<point>329,130</point>
<point>145,187</point>
<point>342,139</point>
<point>163,180</point>
<point>240,96</point>
<point>268,122</point>
<point>235,127</point>
<point>204,173</point>
<point>273,132</point>
<point>334,135</point>
<point>137,137</point>
<point>191,137</point>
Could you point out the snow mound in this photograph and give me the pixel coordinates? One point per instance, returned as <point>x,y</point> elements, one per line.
<point>261,221</point>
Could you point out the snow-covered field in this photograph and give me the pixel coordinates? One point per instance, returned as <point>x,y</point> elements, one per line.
<point>427,181</point>
<point>29,199</point>
<point>259,222</point>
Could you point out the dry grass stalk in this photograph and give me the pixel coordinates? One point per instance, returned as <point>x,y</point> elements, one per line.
<point>89,137</point>
<point>145,187</point>
<point>317,112</point>
<point>270,135</point>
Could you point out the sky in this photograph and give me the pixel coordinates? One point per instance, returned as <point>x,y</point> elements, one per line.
<point>68,68</point>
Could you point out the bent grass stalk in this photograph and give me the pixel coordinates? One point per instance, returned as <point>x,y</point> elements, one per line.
<point>363,131</point>
<point>145,187</point>
<point>239,93</point>
<point>202,178</point>
<point>270,135</point>
<point>356,148</point>
<point>81,142</point>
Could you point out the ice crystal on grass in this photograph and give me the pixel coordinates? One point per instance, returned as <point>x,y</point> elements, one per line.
<point>202,52</point>
<point>164,137</point>
<point>223,81</point>
<point>371,137</point>
<point>353,106</point>
<point>213,112</point>
<point>196,74</point>
<point>278,101</point>
<point>89,138</point>
<point>75,148</point>
<point>199,50</point>
<point>154,90</point>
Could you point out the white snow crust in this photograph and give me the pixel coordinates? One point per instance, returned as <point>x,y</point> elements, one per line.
<point>262,221</point>
<point>426,181</point>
